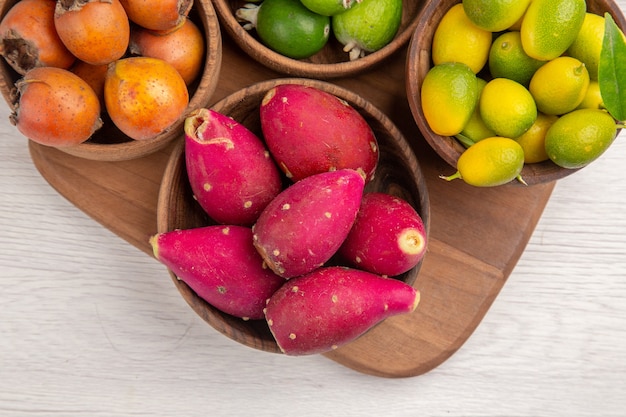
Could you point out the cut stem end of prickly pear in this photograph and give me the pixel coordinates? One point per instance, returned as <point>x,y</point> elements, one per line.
<point>155,246</point>
<point>194,121</point>
<point>416,302</point>
<point>411,241</point>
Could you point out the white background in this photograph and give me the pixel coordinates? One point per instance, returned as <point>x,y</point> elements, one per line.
<point>91,326</point>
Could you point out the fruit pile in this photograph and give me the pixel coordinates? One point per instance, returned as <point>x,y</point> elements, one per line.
<point>296,240</point>
<point>130,60</point>
<point>520,82</point>
<point>300,28</point>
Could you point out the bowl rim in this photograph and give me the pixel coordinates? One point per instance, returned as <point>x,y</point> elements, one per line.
<point>297,68</point>
<point>449,148</point>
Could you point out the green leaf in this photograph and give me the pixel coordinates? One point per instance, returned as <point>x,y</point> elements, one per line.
<point>612,69</point>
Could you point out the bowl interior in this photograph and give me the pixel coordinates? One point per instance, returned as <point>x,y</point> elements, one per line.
<point>398,173</point>
<point>330,62</point>
<point>419,62</point>
<point>109,143</point>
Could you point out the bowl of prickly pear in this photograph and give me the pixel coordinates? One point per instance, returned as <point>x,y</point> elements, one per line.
<point>303,39</point>
<point>297,209</point>
<point>534,100</point>
<point>120,99</point>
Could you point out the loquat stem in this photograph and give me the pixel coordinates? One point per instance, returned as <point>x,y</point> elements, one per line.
<point>467,142</point>
<point>454,176</point>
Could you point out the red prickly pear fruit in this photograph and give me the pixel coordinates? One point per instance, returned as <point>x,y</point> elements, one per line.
<point>309,131</point>
<point>388,236</point>
<point>304,226</point>
<point>231,173</point>
<point>221,265</point>
<point>332,306</point>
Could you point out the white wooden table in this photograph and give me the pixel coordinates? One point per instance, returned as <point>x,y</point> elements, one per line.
<point>91,326</point>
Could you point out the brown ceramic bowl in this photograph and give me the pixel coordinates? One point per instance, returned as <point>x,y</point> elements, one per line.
<point>419,62</point>
<point>397,173</point>
<point>330,62</point>
<point>109,143</point>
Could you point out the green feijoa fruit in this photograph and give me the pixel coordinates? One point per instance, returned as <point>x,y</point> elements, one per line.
<point>367,26</point>
<point>328,7</point>
<point>286,26</point>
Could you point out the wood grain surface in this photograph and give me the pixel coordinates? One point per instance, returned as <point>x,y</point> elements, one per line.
<point>90,325</point>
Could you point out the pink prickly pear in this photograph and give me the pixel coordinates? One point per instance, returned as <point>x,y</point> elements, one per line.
<point>231,173</point>
<point>332,306</point>
<point>304,225</point>
<point>221,265</point>
<point>388,236</point>
<point>309,131</point>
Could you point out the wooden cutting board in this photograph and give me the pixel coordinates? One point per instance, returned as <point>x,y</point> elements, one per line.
<point>476,237</point>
